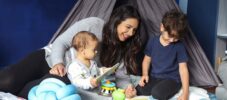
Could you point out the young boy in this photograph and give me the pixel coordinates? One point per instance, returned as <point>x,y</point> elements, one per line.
<point>83,70</point>
<point>168,58</point>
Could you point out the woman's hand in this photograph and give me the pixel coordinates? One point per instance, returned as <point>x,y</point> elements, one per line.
<point>143,78</point>
<point>130,91</point>
<point>93,82</point>
<point>58,69</point>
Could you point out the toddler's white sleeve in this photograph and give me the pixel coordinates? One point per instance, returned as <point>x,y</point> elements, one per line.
<point>78,77</point>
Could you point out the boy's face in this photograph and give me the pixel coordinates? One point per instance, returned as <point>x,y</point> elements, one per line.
<point>168,37</point>
<point>91,50</point>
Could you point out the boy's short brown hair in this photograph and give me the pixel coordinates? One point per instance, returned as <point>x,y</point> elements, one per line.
<point>82,38</point>
<point>175,20</point>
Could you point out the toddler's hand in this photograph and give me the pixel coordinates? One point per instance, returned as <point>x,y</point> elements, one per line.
<point>93,82</point>
<point>143,78</point>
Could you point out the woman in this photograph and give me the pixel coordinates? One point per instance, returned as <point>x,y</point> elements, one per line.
<point>120,43</point>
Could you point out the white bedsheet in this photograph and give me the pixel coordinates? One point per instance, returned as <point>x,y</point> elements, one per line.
<point>195,93</point>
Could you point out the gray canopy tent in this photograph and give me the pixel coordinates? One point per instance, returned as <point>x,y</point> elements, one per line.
<point>201,71</point>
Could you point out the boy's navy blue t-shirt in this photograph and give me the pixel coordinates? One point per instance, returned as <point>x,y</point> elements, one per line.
<point>165,59</point>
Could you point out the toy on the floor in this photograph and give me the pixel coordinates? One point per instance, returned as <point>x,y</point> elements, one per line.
<point>118,94</point>
<point>53,89</point>
<point>107,88</point>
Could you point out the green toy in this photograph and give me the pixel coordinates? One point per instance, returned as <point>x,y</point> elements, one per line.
<point>118,94</point>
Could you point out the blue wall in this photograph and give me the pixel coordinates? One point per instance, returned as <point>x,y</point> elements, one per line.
<point>177,1</point>
<point>202,15</point>
<point>27,25</point>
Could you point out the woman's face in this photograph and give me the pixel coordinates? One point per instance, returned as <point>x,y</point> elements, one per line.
<point>127,28</point>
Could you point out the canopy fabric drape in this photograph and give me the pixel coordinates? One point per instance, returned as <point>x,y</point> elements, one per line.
<point>200,69</point>
<point>86,8</point>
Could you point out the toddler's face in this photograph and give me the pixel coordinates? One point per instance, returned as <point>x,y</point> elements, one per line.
<point>91,49</point>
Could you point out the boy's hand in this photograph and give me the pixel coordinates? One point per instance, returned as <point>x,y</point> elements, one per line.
<point>93,82</point>
<point>143,80</point>
<point>183,97</point>
<point>58,69</point>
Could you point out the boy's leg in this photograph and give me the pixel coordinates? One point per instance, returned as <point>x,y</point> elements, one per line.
<point>146,90</point>
<point>14,77</point>
<point>165,89</point>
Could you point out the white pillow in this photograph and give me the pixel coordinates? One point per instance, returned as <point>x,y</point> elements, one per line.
<point>195,93</point>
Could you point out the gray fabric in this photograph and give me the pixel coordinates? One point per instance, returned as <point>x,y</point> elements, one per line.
<point>222,72</point>
<point>92,95</point>
<point>84,9</point>
<point>135,79</point>
<point>201,71</point>
<point>122,79</point>
<point>221,93</point>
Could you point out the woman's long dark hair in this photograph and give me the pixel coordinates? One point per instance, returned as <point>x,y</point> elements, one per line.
<point>112,49</point>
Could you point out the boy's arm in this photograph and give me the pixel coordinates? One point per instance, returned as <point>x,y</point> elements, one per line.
<point>146,65</point>
<point>145,69</point>
<point>184,75</point>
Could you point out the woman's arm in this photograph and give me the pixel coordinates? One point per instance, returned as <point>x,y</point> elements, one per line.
<point>63,42</point>
<point>184,75</point>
